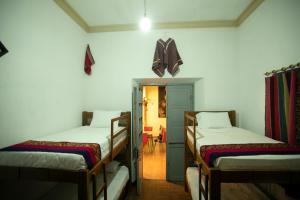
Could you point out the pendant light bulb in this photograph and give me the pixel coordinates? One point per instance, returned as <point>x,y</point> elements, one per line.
<point>145,24</point>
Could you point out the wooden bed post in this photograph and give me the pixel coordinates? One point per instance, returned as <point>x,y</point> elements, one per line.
<point>111,140</point>
<point>214,184</point>
<point>185,152</point>
<point>129,149</point>
<point>83,186</point>
<point>189,154</point>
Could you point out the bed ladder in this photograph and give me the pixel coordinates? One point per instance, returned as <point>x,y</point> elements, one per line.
<point>202,189</point>
<point>103,188</point>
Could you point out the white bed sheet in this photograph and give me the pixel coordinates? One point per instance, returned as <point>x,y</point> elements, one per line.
<point>83,134</point>
<point>116,183</point>
<point>236,135</point>
<point>192,176</point>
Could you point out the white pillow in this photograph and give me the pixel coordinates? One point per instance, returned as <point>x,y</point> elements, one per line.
<point>102,118</point>
<point>213,120</point>
<point>112,167</point>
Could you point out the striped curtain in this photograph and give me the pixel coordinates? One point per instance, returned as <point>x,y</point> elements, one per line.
<point>282,106</point>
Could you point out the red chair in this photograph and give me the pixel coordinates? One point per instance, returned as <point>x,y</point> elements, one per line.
<point>145,138</point>
<point>147,128</point>
<point>147,131</point>
<point>149,140</point>
<point>163,133</point>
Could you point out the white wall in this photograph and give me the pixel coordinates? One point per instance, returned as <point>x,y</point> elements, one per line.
<point>123,56</point>
<point>269,39</point>
<point>41,78</point>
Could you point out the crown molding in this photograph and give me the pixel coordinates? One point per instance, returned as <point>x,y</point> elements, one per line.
<point>113,28</point>
<point>72,13</point>
<point>248,11</point>
<point>195,24</point>
<point>166,25</point>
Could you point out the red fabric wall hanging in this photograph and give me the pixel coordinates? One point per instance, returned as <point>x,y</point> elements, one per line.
<point>282,109</point>
<point>89,61</point>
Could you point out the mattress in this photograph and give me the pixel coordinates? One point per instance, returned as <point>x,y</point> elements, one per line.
<point>116,183</point>
<point>236,135</point>
<point>192,176</point>
<point>83,134</point>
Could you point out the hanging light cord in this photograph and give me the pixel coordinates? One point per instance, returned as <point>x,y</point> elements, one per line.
<point>145,14</point>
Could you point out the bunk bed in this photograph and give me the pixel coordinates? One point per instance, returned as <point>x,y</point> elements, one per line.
<point>232,168</point>
<point>81,169</point>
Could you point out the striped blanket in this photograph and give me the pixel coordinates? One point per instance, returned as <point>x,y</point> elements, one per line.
<point>210,153</point>
<point>90,151</point>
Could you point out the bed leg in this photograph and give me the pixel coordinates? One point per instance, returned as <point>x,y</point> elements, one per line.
<point>185,179</point>
<point>185,168</point>
<point>83,186</point>
<point>199,182</point>
<point>185,185</point>
<point>185,163</point>
<point>215,185</point>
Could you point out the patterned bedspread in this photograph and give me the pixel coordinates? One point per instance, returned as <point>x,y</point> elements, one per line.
<point>90,151</point>
<point>210,153</point>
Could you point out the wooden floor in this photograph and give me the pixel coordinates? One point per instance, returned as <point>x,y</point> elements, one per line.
<point>159,190</point>
<point>244,191</point>
<point>163,190</point>
<point>154,162</point>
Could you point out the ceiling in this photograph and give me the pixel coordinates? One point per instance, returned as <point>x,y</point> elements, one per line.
<point>123,15</point>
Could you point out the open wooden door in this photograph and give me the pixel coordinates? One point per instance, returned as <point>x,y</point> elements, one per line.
<point>180,98</point>
<point>138,133</point>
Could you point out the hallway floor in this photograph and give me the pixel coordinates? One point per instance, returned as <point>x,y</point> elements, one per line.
<point>154,162</point>
<point>163,190</point>
<point>159,190</point>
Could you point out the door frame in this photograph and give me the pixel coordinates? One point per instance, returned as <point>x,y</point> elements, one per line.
<point>137,136</point>
<point>155,82</point>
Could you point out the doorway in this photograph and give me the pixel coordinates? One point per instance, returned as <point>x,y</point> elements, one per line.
<point>154,132</point>
<point>179,98</point>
